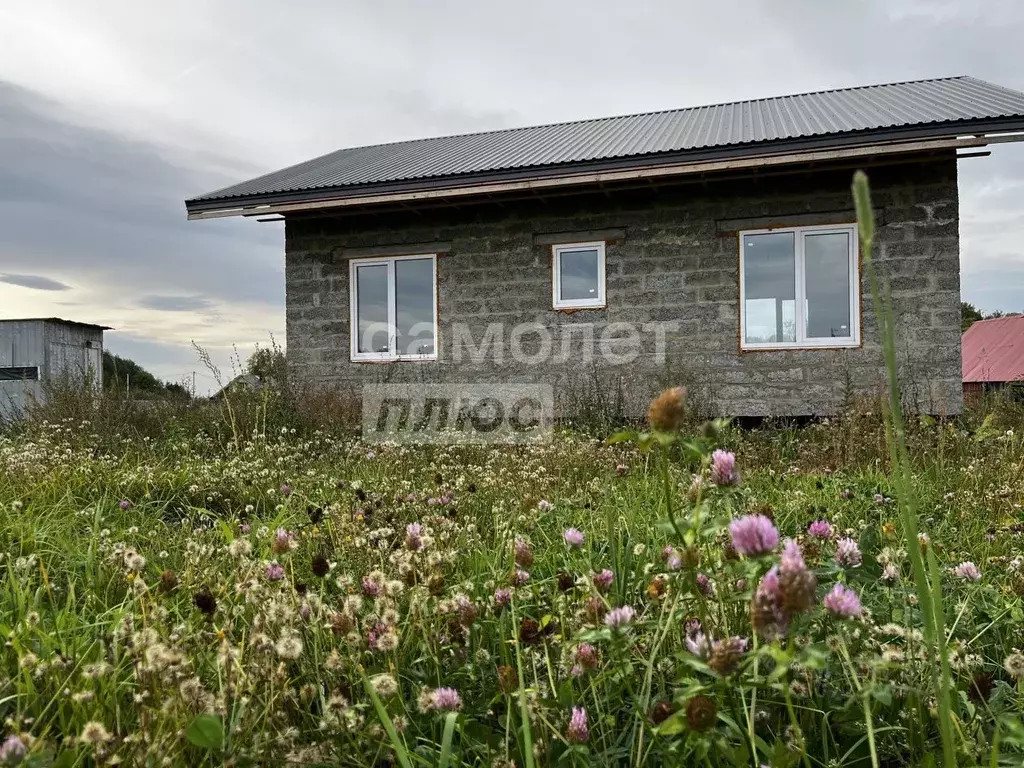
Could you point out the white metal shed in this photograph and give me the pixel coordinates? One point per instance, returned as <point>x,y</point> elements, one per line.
<point>37,351</point>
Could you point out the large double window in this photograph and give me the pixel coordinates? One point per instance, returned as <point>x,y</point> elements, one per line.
<point>394,308</point>
<point>799,288</point>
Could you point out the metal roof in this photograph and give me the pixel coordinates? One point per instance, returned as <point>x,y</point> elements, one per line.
<point>924,108</point>
<point>57,320</point>
<point>993,350</point>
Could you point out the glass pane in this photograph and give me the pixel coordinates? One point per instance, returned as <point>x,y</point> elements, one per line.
<point>579,275</point>
<point>827,268</point>
<point>769,284</point>
<point>414,304</point>
<point>372,308</point>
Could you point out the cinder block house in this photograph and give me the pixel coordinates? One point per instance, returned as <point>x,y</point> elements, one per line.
<point>713,246</point>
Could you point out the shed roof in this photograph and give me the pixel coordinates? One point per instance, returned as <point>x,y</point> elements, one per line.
<point>993,350</point>
<point>57,320</point>
<point>935,108</point>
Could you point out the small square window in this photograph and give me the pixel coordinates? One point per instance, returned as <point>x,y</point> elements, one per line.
<point>578,279</point>
<point>394,308</point>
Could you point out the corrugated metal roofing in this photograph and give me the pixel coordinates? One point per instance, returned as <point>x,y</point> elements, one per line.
<point>993,350</point>
<point>947,104</point>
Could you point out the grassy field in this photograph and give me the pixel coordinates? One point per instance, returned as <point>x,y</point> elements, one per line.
<point>196,598</point>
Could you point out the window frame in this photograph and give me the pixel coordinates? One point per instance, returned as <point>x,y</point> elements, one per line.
<point>34,377</point>
<point>353,295</point>
<point>801,340</point>
<point>556,276</point>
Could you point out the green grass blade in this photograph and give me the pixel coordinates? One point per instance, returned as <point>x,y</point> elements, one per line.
<point>446,739</point>
<point>400,750</point>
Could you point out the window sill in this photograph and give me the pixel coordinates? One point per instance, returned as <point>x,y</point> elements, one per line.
<point>424,359</point>
<point>569,310</point>
<point>800,347</point>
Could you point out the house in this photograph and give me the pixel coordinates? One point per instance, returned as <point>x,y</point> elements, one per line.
<point>993,354</point>
<point>35,353</point>
<point>712,246</point>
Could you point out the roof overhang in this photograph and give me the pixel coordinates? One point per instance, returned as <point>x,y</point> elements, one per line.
<point>527,180</point>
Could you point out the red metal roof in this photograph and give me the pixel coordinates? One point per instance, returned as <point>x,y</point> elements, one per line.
<point>993,350</point>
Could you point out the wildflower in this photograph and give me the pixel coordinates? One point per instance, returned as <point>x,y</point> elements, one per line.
<point>842,602</point>
<point>413,536</point>
<point>289,646</point>
<point>585,656</point>
<point>502,597</point>
<point>674,561</point>
<point>371,587</point>
<point>796,582</point>
<point>621,469</point>
<point>577,732</point>
<point>846,493</point>
<point>753,535</point>
<point>566,583</point>
<point>820,529</point>
<point>529,631</point>
<point>573,537</point>
<point>286,490</point>
<point>205,601</point>
<point>726,654</point>
<point>594,609</point>
<point>239,547</point>
<point>701,713</point>
<point>133,561</point>
<point>705,586</point>
<point>467,612</point>
<point>523,555</point>
<point>879,499</point>
<point>619,617</point>
<point>384,685</point>
<point>723,468</point>
<point>545,506</point>
<point>282,542</point>
<point>13,751</point>
<point>661,712</point>
<point>1014,665</point>
<point>967,571</point>
<point>604,579</point>
<point>95,733</point>
<point>890,574</point>
<point>520,577</point>
<point>848,553</point>
<point>508,681</point>
<point>125,505</point>
<point>698,644</point>
<point>275,571</point>
<point>245,529</point>
<point>320,566</point>
<point>668,410</point>
<point>445,700</point>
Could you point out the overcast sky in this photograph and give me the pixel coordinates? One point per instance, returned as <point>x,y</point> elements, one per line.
<point>113,112</point>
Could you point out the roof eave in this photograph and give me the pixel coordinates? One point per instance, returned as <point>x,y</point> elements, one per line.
<point>892,141</point>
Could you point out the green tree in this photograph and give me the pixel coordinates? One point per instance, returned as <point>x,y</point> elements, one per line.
<point>969,314</point>
<point>269,364</point>
<point>124,375</point>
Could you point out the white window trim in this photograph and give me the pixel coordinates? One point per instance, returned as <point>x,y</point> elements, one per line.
<point>802,342</point>
<point>353,292</point>
<point>556,278</point>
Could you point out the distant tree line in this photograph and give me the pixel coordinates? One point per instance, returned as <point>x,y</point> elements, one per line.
<point>123,375</point>
<point>970,314</point>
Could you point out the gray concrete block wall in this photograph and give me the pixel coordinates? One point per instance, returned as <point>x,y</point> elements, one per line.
<point>678,261</point>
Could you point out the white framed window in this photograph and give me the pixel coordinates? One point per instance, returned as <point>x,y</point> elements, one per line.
<point>577,275</point>
<point>799,287</point>
<point>393,303</point>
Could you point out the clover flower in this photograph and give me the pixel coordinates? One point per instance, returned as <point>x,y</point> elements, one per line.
<point>820,529</point>
<point>619,617</point>
<point>753,535</point>
<point>848,553</point>
<point>967,571</point>
<point>842,602</point>
<point>573,537</point>
<point>577,732</point>
<point>445,700</point>
<point>723,468</point>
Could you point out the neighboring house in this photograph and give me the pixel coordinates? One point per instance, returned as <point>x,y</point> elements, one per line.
<point>38,352</point>
<point>711,246</point>
<point>993,354</point>
<point>243,382</point>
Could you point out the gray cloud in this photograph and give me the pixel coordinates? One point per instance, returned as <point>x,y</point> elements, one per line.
<point>175,303</point>
<point>100,150</point>
<point>37,282</point>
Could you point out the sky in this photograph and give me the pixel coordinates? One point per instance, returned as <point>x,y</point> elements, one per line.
<point>113,112</point>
